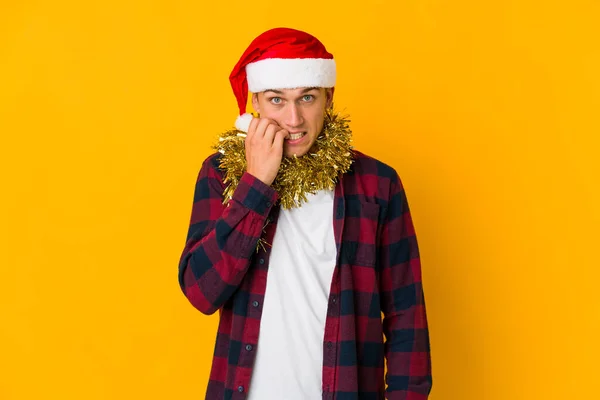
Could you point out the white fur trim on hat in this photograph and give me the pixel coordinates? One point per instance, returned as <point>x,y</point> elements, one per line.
<point>283,73</point>
<point>242,122</point>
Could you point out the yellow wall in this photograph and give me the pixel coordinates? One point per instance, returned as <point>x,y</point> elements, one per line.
<point>489,111</point>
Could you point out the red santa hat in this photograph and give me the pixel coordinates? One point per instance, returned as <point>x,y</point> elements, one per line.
<point>280,58</point>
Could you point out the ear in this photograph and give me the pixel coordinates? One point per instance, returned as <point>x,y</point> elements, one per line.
<point>255,102</point>
<point>329,94</point>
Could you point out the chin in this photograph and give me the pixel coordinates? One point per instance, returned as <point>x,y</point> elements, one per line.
<point>300,151</point>
<point>290,153</point>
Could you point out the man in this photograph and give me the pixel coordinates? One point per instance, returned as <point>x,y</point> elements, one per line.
<point>302,244</point>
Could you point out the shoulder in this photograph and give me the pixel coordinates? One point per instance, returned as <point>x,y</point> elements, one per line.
<point>212,161</point>
<point>365,165</point>
<point>210,167</point>
<point>375,181</point>
<point>372,178</point>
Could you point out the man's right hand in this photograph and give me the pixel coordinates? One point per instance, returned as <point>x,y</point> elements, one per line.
<point>264,148</point>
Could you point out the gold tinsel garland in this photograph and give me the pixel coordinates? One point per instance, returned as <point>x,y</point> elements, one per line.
<point>319,169</point>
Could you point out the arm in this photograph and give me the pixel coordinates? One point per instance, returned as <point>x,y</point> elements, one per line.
<point>405,327</point>
<point>221,238</point>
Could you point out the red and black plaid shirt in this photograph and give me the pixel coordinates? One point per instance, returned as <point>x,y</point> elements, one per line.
<point>378,271</point>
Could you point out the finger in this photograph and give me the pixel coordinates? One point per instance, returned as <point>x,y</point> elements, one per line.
<point>262,127</point>
<point>252,127</point>
<point>270,133</point>
<point>280,136</point>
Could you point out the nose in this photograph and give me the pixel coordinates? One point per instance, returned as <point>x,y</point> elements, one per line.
<point>294,116</point>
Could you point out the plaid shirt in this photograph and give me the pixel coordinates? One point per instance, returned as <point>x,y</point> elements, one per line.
<point>378,271</point>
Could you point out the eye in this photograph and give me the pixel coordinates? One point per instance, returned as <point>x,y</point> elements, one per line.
<point>307,97</point>
<point>275,100</point>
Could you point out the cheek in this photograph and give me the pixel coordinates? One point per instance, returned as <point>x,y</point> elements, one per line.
<point>318,122</point>
<point>267,110</point>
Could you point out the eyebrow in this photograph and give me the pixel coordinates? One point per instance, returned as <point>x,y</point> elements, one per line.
<point>280,92</point>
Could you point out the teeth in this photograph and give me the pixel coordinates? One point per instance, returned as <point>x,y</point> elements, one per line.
<point>294,136</point>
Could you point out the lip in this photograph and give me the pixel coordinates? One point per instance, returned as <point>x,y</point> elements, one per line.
<point>296,141</point>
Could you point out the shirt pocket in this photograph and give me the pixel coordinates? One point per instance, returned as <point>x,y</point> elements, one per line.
<point>362,246</point>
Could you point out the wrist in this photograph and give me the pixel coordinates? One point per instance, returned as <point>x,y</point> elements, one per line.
<point>261,177</point>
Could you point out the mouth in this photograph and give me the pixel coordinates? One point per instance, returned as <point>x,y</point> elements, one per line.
<point>296,136</point>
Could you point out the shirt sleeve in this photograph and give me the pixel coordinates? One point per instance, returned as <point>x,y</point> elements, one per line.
<point>407,349</point>
<point>221,238</point>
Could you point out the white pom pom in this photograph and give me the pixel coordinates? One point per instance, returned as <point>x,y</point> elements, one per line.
<point>243,122</point>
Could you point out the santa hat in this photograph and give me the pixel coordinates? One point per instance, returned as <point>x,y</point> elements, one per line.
<point>280,58</point>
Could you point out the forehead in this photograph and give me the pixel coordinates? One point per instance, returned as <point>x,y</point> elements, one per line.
<point>292,92</point>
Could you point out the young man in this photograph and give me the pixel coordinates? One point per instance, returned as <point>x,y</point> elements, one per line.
<point>302,244</point>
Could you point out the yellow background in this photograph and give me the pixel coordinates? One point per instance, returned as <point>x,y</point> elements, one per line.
<point>488,110</point>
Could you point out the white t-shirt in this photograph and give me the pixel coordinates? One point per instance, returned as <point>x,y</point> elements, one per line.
<point>289,358</point>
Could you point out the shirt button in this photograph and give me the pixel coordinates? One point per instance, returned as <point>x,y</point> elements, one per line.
<point>329,344</point>
<point>248,347</point>
<point>268,204</point>
<point>255,303</point>
<point>334,299</point>
<point>262,261</point>
<point>240,389</point>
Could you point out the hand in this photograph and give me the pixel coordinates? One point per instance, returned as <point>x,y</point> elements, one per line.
<point>264,148</point>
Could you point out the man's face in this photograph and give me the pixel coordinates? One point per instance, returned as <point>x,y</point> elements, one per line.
<point>299,111</point>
